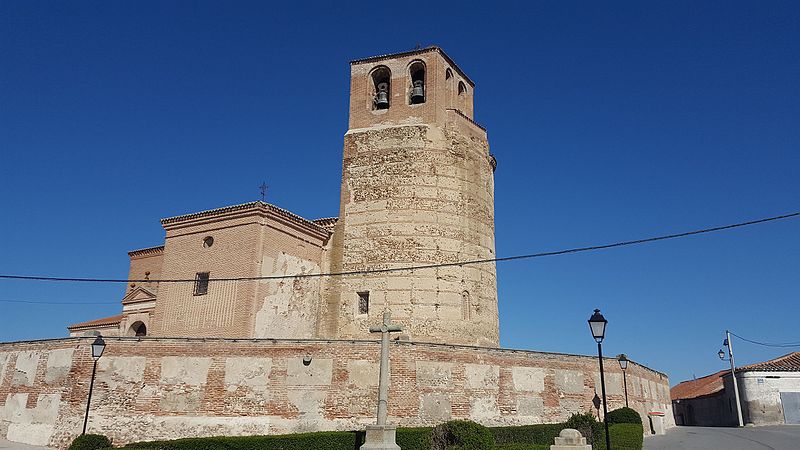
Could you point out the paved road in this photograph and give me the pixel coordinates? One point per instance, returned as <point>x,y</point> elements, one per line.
<point>8,445</point>
<point>778,437</point>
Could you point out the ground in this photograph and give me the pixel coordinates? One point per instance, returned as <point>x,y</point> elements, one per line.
<point>778,437</point>
<point>7,445</point>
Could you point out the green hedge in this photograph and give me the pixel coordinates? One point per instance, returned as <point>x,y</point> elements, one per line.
<point>461,435</point>
<point>90,442</point>
<point>332,440</point>
<point>624,415</point>
<point>624,436</point>
<point>542,434</point>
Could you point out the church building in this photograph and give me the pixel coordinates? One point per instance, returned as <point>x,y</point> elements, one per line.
<point>417,190</point>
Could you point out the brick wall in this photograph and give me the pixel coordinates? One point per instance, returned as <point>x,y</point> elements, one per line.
<point>162,388</point>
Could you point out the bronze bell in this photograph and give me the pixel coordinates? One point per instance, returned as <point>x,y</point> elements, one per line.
<point>382,96</point>
<point>418,92</point>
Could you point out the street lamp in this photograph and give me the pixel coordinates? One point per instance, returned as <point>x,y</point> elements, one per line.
<point>623,364</point>
<point>98,346</point>
<point>597,324</point>
<point>721,354</point>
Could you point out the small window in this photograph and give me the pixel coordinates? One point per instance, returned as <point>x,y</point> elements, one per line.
<point>466,306</point>
<point>201,283</point>
<point>462,88</point>
<point>208,241</point>
<point>363,302</point>
<point>448,74</point>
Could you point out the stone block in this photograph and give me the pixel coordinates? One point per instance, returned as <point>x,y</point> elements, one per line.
<point>30,433</point>
<point>570,439</point>
<point>480,376</point>
<point>116,371</point>
<point>569,381</point>
<point>380,437</point>
<point>59,363</point>
<point>364,373</point>
<point>184,370</point>
<point>484,410</point>
<point>529,379</point>
<point>530,406</point>
<point>434,374</point>
<point>435,407</point>
<point>318,373</point>
<point>25,369</point>
<point>613,383</point>
<point>250,372</point>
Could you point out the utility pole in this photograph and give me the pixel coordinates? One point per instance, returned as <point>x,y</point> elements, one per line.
<point>733,376</point>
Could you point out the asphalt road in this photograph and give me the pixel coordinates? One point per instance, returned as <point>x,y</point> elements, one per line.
<point>778,437</point>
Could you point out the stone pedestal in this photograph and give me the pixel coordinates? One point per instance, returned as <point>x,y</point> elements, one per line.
<point>380,437</point>
<point>570,439</point>
<point>657,422</point>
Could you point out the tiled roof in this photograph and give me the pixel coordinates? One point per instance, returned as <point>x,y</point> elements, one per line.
<point>327,222</point>
<point>146,251</point>
<point>417,51</point>
<point>113,320</point>
<point>785,363</point>
<point>706,385</point>
<point>257,204</point>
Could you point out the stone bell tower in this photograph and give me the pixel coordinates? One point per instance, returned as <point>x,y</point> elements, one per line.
<point>417,189</point>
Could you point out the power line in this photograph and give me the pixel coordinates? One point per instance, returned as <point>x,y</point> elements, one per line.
<point>765,344</point>
<point>425,266</point>
<point>36,302</point>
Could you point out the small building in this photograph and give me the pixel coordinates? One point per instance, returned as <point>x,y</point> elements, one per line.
<point>769,392</point>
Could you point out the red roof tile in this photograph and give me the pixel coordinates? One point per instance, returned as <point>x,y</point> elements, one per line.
<point>785,363</point>
<point>113,320</point>
<point>706,385</point>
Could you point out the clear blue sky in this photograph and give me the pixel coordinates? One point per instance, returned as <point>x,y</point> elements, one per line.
<point>609,122</point>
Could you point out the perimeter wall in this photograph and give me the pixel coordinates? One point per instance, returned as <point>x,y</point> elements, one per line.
<point>162,388</point>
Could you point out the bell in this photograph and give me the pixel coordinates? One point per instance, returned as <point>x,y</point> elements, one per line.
<point>418,92</point>
<point>382,96</point>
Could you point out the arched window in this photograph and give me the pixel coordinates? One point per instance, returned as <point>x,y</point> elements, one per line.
<point>417,72</point>
<point>466,306</point>
<point>381,87</point>
<point>448,74</point>
<point>137,329</point>
<point>462,88</point>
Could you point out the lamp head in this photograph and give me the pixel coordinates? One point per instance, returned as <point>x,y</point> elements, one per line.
<point>721,354</point>
<point>98,346</point>
<point>623,361</point>
<point>597,324</point>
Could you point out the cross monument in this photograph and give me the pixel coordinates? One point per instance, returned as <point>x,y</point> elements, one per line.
<point>382,436</point>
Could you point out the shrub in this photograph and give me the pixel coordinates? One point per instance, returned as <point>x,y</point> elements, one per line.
<point>461,435</point>
<point>624,415</point>
<point>331,440</point>
<point>624,436</point>
<point>414,438</point>
<point>90,442</point>
<point>541,434</point>
<point>589,427</point>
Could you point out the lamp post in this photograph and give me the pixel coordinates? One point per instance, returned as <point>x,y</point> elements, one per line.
<point>623,364</point>
<point>597,324</point>
<point>721,354</point>
<point>98,346</point>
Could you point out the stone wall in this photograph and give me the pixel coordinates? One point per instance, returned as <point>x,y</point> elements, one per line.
<point>162,388</point>
<point>761,395</point>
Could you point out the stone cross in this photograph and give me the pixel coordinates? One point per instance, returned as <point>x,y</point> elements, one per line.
<point>383,385</point>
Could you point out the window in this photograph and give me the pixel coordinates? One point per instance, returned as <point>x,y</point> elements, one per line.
<point>208,241</point>
<point>382,89</point>
<point>201,283</point>
<point>417,72</point>
<point>448,74</point>
<point>462,88</point>
<point>466,306</point>
<point>363,302</point>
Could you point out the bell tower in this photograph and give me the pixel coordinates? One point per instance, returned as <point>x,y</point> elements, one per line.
<point>417,189</point>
